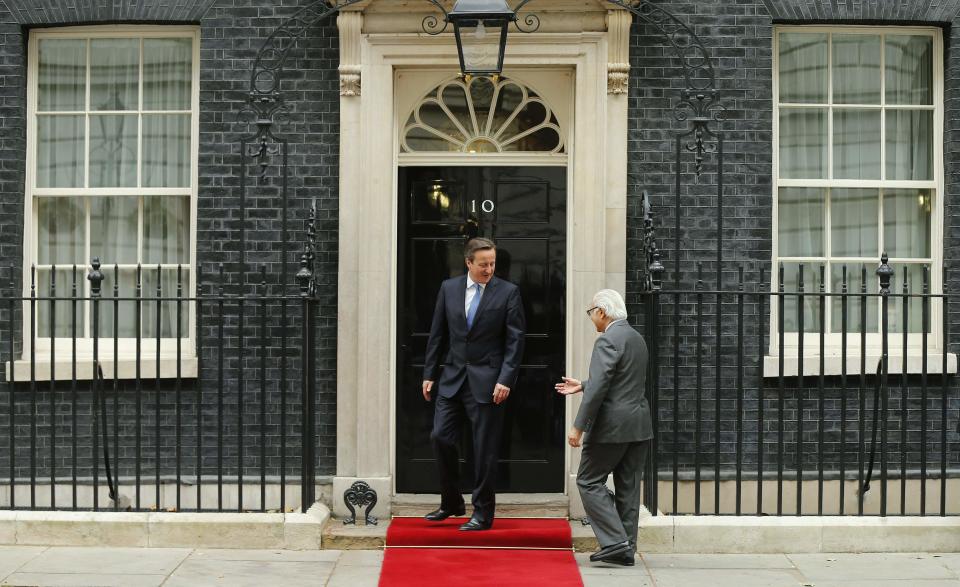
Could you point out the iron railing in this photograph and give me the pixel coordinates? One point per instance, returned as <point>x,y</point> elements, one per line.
<point>761,412</point>
<point>213,419</point>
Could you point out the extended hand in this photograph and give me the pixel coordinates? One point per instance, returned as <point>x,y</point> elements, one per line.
<point>569,386</point>
<point>573,439</point>
<point>500,393</point>
<point>427,386</point>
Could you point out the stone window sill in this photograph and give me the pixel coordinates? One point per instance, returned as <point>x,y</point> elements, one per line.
<point>832,364</point>
<point>126,368</point>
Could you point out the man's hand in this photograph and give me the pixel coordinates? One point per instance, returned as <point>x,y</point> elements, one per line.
<point>427,386</point>
<point>569,386</point>
<point>574,437</point>
<point>500,393</point>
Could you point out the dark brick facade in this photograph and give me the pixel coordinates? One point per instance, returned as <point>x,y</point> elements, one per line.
<point>231,33</point>
<point>739,36</point>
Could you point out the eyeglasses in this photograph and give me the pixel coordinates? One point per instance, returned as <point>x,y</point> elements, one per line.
<point>590,311</point>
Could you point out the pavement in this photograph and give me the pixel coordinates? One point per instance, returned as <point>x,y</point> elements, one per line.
<point>134,567</point>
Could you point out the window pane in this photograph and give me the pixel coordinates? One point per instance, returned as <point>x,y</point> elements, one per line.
<point>167,73</point>
<point>914,301</point>
<point>803,143</point>
<point>114,72</point>
<point>113,229</point>
<point>856,69</point>
<point>800,212</point>
<point>63,310</point>
<point>60,151</point>
<point>113,151</point>
<point>168,309</point>
<point>909,69</point>
<point>906,223</point>
<point>855,305</point>
<point>126,311</point>
<point>856,144</point>
<point>854,222</point>
<point>166,150</point>
<point>61,231</point>
<point>910,144</point>
<point>166,229</point>
<point>61,74</point>
<point>811,303</point>
<point>803,68</point>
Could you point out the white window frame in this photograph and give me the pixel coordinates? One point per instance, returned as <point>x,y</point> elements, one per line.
<point>62,364</point>
<point>832,342</point>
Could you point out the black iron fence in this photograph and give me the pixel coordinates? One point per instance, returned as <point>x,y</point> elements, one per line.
<point>114,400</point>
<point>811,396</point>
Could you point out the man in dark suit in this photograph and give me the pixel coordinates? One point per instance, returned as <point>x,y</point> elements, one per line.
<point>615,414</point>
<point>479,322</point>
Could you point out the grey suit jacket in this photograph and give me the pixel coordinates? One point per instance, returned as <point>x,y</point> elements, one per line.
<point>615,406</point>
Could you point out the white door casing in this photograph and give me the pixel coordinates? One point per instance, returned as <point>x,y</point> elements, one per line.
<point>383,75</point>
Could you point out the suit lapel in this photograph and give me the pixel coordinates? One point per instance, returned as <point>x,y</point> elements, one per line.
<point>487,292</point>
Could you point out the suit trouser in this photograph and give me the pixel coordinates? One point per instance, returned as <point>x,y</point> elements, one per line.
<point>615,517</point>
<point>486,421</point>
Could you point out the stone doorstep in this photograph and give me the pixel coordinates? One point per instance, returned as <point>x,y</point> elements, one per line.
<point>293,531</point>
<point>509,505</point>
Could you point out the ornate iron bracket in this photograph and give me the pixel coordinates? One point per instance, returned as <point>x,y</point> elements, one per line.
<point>305,276</point>
<point>655,269</point>
<point>359,495</point>
<point>434,25</point>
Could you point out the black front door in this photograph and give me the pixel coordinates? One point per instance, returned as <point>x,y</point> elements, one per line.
<point>523,209</point>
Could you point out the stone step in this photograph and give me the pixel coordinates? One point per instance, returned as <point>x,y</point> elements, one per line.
<point>509,505</point>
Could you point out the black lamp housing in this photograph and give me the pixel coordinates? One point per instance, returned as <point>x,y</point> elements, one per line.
<point>477,24</point>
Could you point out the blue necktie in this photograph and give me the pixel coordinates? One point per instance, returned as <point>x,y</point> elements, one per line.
<point>474,304</point>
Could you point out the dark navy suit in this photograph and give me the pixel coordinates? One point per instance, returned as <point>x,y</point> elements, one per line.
<point>474,361</point>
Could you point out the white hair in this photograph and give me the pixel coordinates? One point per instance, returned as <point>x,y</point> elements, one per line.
<point>611,302</point>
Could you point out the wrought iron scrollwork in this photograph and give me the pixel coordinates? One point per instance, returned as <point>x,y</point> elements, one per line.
<point>698,100</point>
<point>360,494</point>
<point>432,25</point>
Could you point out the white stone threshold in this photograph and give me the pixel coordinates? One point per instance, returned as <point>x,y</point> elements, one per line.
<point>289,531</point>
<point>808,534</point>
<point>658,534</point>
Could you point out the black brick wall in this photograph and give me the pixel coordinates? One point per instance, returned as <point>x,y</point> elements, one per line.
<point>231,33</point>
<point>739,36</point>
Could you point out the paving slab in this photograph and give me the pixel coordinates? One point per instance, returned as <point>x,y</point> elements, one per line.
<point>727,577</point>
<point>83,580</point>
<point>896,583</point>
<point>717,561</point>
<point>109,561</point>
<point>360,558</point>
<point>229,554</point>
<point>870,567</point>
<point>355,576</point>
<point>14,557</point>
<point>199,571</point>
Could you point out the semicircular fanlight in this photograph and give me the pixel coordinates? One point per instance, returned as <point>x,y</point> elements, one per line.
<point>482,116</point>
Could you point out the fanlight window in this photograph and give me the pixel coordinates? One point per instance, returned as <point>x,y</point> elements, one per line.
<point>480,115</point>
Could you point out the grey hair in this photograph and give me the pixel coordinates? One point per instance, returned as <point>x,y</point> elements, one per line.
<point>611,302</point>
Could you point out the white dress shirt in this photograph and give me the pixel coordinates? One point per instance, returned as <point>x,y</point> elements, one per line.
<point>608,325</point>
<point>471,291</point>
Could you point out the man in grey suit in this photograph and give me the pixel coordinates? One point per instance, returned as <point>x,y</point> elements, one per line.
<point>615,415</point>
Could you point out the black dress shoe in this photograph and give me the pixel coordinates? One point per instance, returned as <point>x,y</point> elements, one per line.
<point>627,560</point>
<point>611,553</point>
<point>440,514</point>
<point>475,524</point>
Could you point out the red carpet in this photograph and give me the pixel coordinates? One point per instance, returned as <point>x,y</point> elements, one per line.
<point>515,552</point>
